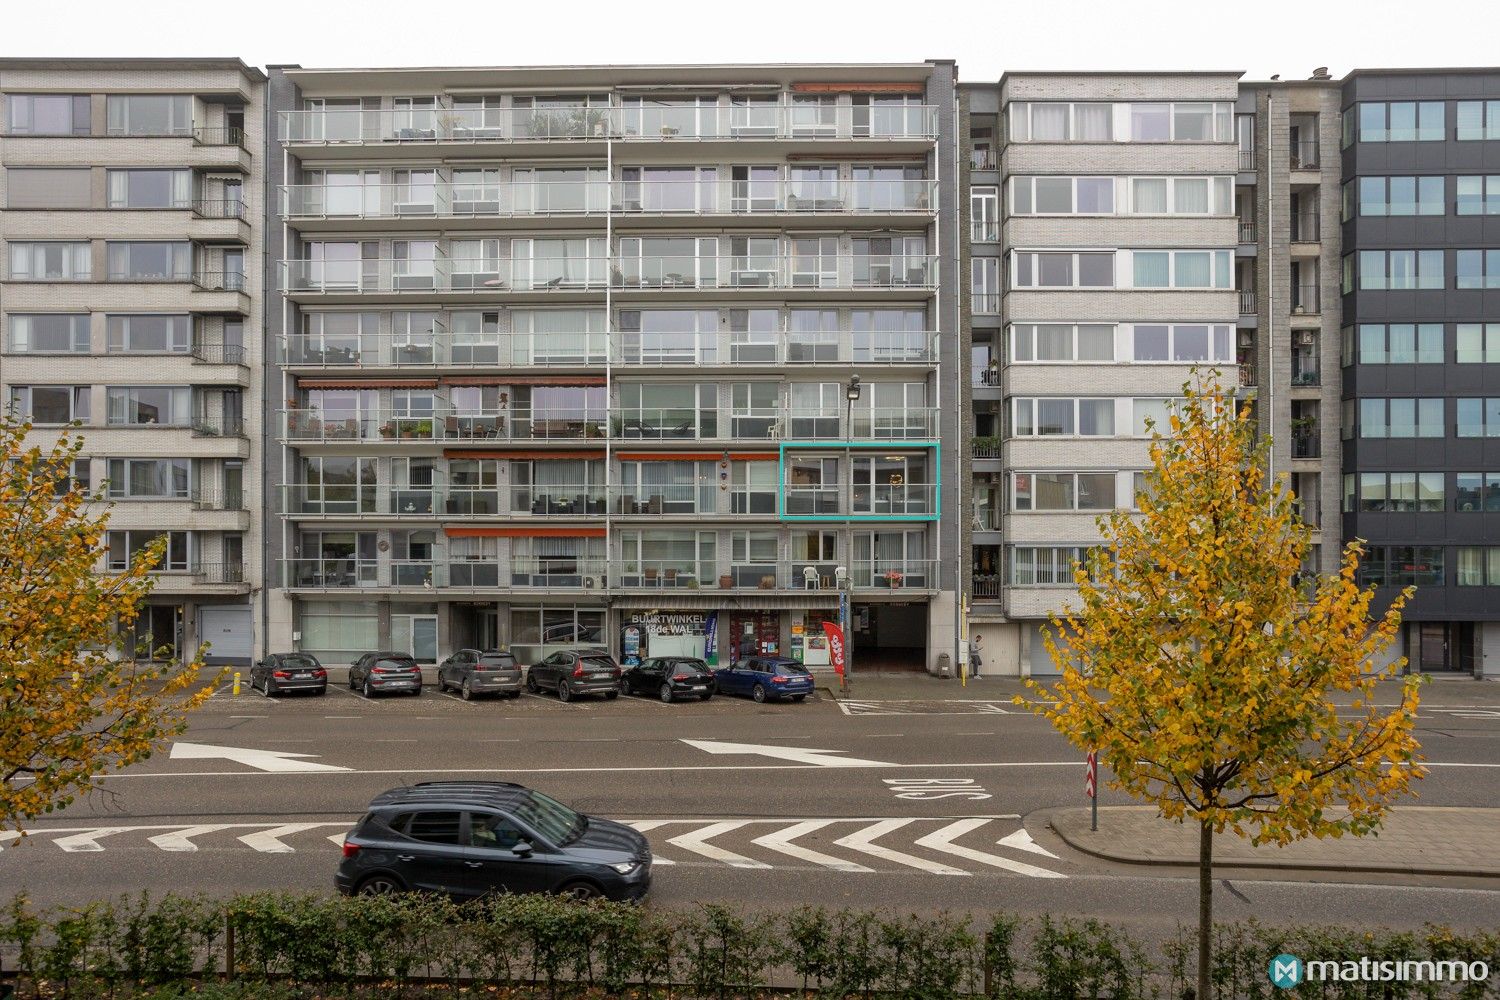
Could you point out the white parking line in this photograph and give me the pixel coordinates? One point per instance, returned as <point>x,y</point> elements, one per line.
<point>454,697</point>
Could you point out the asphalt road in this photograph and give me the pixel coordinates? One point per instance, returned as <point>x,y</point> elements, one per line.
<point>920,804</point>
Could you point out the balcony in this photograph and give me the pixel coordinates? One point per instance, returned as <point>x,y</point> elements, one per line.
<point>438,347</point>
<point>686,197</point>
<point>219,572</point>
<point>678,574</point>
<point>635,123</point>
<point>524,572</point>
<point>214,498</point>
<point>984,231</point>
<point>1304,154</point>
<point>1247,231</point>
<point>1305,228</point>
<point>1247,159</point>
<point>218,354</point>
<point>984,303</point>
<point>988,517</point>
<point>221,136</point>
<point>1247,301</point>
<point>882,500</point>
<point>344,500</point>
<point>466,277</point>
<point>219,208</point>
<point>1247,375</point>
<point>985,586</point>
<point>1305,444</point>
<point>985,447</point>
<point>983,158</point>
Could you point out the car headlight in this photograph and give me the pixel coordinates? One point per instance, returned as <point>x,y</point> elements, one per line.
<point>626,867</point>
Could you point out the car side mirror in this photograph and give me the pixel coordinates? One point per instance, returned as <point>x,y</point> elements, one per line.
<point>522,849</point>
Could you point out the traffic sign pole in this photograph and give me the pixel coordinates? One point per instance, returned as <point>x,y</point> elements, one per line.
<point>1091,789</point>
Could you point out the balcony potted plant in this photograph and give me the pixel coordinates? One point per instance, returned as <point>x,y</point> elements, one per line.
<point>893,578</point>
<point>387,430</point>
<point>726,582</point>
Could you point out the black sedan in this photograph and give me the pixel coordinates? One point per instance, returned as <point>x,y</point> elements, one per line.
<point>571,672</point>
<point>282,672</point>
<point>377,673</point>
<point>670,678</point>
<point>473,672</point>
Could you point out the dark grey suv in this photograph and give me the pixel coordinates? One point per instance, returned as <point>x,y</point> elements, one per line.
<point>468,839</point>
<point>572,672</point>
<point>376,673</point>
<point>473,672</point>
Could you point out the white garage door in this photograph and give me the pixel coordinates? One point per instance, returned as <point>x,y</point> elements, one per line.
<point>1042,664</point>
<point>229,632</point>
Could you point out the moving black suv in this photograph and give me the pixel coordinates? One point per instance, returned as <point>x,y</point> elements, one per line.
<point>468,839</point>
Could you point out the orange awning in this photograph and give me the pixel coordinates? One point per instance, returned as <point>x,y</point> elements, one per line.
<point>538,532</point>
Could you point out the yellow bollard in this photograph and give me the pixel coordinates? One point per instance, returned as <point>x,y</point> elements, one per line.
<point>236,683</point>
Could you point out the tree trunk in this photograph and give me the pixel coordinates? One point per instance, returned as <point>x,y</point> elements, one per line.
<point>1205,905</point>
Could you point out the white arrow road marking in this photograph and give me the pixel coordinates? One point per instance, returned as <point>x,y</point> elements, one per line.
<point>269,841</point>
<point>280,761</point>
<point>1021,841</point>
<point>803,755</point>
<point>89,840</point>
<point>182,840</point>
<point>641,826</point>
<point>697,842</point>
<point>863,841</point>
<point>338,838</point>
<point>781,841</point>
<point>942,841</point>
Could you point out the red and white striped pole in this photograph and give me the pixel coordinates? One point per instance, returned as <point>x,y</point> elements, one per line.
<point>1091,788</point>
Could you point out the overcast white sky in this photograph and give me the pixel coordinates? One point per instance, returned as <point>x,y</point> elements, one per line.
<point>986,37</point>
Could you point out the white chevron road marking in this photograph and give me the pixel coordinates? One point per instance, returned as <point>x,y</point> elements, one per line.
<point>641,826</point>
<point>863,841</point>
<point>269,841</point>
<point>89,839</point>
<point>697,842</point>
<point>182,840</point>
<point>942,841</point>
<point>1021,841</point>
<point>781,842</point>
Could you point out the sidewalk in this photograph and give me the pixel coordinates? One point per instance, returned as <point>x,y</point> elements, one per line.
<point>1414,840</point>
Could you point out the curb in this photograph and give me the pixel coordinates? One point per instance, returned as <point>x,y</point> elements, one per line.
<point>1045,817</point>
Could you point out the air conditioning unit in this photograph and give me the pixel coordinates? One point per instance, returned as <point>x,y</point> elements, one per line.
<point>1247,339</point>
<point>1306,338</point>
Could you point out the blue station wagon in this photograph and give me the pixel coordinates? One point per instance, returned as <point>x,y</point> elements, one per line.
<point>766,678</point>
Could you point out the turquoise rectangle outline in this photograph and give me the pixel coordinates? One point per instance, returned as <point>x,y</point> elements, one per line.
<point>782,515</point>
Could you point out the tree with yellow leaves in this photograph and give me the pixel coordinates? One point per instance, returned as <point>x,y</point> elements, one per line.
<point>1208,670</point>
<point>74,700</point>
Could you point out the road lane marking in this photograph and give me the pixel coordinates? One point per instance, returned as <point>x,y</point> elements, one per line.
<point>269,841</point>
<point>1021,841</point>
<point>249,716</point>
<point>633,769</point>
<point>641,826</point>
<point>271,761</point>
<point>697,842</point>
<point>88,841</point>
<point>805,755</point>
<point>864,841</point>
<point>781,842</point>
<point>182,840</point>
<point>943,842</point>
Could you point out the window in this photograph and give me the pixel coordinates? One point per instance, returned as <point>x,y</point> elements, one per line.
<point>150,188</point>
<point>1478,120</point>
<point>149,261</point>
<point>1478,195</point>
<point>753,487</point>
<point>1401,196</point>
<point>1400,343</point>
<point>49,333</point>
<point>890,335</point>
<point>1180,269</point>
<point>1394,492</point>
<point>1479,417</point>
<point>50,262</point>
<point>1401,566</point>
<point>1062,491</point>
<point>1400,121</point>
<point>1180,343</point>
<point>1062,417</point>
<point>1152,416</point>
<point>1397,270</point>
<point>50,114</point>
<point>167,405</point>
<point>429,827</point>
<point>149,114</point>
<point>1052,269</point>
<point>49,187</point>
<point>149,334</point>
<point>986,284</point>
<point>1062,195</point>
<point>51,404</point>
<point>1057,122</point>
<point>1478,342</point>
<point>1476,491</point>
<point>1054,342</point>
<point>1477,268</point>
<point>1401,418</point>
<point>149,478</point>
<point>1050,566</point>
<point>1187,121</point>
<point>125,547</point>
<point>984,214</point>
<point>1477,566</point>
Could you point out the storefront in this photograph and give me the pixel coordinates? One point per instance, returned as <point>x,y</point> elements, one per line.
<point>809,642</point>
<point>754,633</point>
<point>665,633</point>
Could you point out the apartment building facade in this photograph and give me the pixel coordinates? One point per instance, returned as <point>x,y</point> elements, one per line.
<point>663,359</point>
<point>131,303</point>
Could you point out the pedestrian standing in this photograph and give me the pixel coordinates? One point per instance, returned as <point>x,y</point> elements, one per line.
<point>976,661</point>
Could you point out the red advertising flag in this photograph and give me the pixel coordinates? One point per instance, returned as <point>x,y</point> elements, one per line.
<point>835,646</point>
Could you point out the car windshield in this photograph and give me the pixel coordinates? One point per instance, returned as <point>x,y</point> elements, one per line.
<point>299,661</point>
<point>550,818</point>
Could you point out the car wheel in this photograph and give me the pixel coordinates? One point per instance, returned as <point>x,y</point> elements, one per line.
<point>531,683</point>
<point>513,695</point>
<point>265,688</point>
<point>351,680</point>
<point>666,693</point>
<point>581,891</point>
<point>799,697</point>
<point>369,692</point>
<point>564,693</point>
<point>380,885</point>
<point>759,694</point>
<point>467,691</point>
<point>612,695</point>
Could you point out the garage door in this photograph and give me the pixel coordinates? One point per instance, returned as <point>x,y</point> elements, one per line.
<point>1042,664</point>
<point>229,631</point>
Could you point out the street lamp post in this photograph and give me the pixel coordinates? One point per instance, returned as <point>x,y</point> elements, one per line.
<point>851,394</point>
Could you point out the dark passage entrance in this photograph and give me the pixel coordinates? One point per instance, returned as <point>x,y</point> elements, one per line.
<point>889,637</point>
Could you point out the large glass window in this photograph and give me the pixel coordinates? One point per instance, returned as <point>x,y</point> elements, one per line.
<point>149,114</point>
<point>1476,491</point>
<point>1478,343</point>
<point>1062,491</point>
<point>1478,120</point>
<point>669,336</point>
<point>168,405</point>
<point>1181,343</point>
<point>1062,417</point>
<point>49,187</point>
<point>1400,343</point>
<point>1062,342</point>
<point>1399,492</point>
<point>1380,270</point>
<point>50,262</point>
<point>149,333</point>
<point>1402,418</point>
<point>1044,566</point>
<point>155,261</point>
<point>1479,417</point>
<point>47,114</point>
<point>1477,268</point>
<point>1402,566</point>
<point>51,404</point>
<point>1400,121</point>
<point>1181,269</point>
<point>49,333</point>
<point>1401,196</point>
<point>125,547</point>
<point>150,188</point>
<point>1477,566</point>
<point>1478,195</point>
<point>149,478</point>
<point>1055,269</point>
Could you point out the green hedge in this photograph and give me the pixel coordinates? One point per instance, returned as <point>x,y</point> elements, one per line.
<point>292,947</point>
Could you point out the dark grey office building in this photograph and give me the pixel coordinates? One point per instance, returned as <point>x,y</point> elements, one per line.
<point>1421,351</point>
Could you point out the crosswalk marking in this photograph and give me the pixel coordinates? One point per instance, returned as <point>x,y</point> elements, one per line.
<point>781,841</point>
<point>863,840</point>
<point>942,841</point>
<point>696,842</point>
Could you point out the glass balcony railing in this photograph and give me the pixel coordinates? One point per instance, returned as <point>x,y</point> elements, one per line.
<point>893,574</point>
<point>515,423</point>
<point>557,572</point>
<point>581,122</point>
<point>686,196</point>
<point>675,273</point>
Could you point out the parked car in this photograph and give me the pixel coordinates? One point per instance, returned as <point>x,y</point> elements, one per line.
<point>670,678</point>
<point>282,672</point>
<point>473,672</point>
<point>468,839</point>
<point>571,672</point>
<point>385,672</point>
<point>766,678</point>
